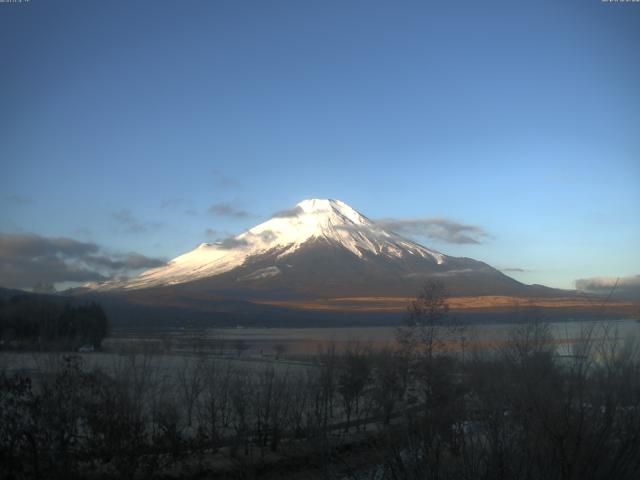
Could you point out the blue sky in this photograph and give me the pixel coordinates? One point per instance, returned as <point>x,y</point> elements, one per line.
<point>122,123</point>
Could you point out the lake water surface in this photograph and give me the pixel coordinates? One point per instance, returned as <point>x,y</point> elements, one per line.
<point>307,340</point>
<point>253,346</point>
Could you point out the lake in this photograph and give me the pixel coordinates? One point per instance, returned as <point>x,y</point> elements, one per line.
<point>309,340</point>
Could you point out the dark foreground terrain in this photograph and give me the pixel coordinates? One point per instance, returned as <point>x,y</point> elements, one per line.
<point>521,409</point>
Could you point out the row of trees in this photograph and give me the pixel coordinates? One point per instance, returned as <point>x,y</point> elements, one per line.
<point>137,417</point>
<point>516,412</point>
<point>29,319</point>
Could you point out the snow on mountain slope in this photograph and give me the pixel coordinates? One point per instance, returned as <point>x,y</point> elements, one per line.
<point>282,235</point>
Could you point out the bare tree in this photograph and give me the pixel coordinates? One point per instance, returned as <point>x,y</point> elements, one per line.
<point>428,327</point>
<point>240,391</point>
<point>190,378</point>
<point>353,378</point>
<point>328,363</point>
<point>214,409</point>
<point>528,339</point>
<point>387,388</point>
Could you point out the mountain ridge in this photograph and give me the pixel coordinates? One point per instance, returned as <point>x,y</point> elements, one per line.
<point>321,261</point>
<point>324,229</point>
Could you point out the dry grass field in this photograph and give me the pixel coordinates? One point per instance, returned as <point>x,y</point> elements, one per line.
<point>487,303</point>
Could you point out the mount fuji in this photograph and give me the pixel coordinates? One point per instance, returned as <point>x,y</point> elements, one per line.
<point>320,263</point>
<point>320,254</point>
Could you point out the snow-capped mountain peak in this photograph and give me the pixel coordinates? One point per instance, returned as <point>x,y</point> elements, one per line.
<point>310,221</point>
<point>328,207</point>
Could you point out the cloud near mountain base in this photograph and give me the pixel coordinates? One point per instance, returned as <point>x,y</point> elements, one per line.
<point>27,260</point>
<point>619,287</point>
